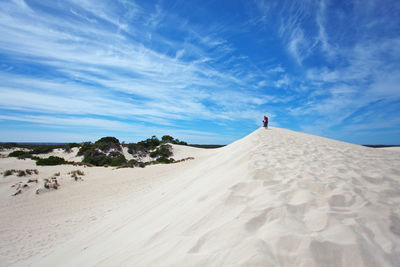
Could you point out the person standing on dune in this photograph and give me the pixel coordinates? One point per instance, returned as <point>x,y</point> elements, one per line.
<point>265,121</point>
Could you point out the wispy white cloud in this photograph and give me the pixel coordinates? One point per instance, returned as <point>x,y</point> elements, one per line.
<point>99,63</point>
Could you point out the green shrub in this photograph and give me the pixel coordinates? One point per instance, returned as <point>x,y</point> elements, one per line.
<point>97,159</point>
<point>8,173</point>
<point>69,147</point>
<point>51,161</point>
<point>21,173</point>
<point>182,143</point>
<point>118,161</point>
<point>164,160</point>
<point>42,149</point>
<point>108,146</point>
<point>108,139</point>
<point>18,154</point>
<point>150,143</point>
<point>142,164</point>
<point>94,155</point>
<point>170,139</point>
<point>104,144</point>
<point>162,151</point>
<point>136,149</point>
<point>9,145</point>
<point>132,163</point>
<point>84,148</point>
<point>167,139</point>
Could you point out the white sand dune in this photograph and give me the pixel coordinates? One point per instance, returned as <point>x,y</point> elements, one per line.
<point>273,198</point>
<point>394,148</point>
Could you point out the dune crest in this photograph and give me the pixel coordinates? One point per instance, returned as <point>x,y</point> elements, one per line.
<point>273,198</point>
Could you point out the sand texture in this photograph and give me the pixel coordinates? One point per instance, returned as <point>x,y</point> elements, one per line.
<point>273,198</point>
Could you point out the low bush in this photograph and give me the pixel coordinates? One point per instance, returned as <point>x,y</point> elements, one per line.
<point>21,173</point>
<point>95,157</point>
<point>75,174</point>
<point>108,143</point>
<point>108,139</point>
<point>105,147</point>
<point>170,139</point>
<point>8,173</point>
<point>84,164</point>
<point>52,160</point>
<point>97,160</point>
<point>136,149</point>
<point>42,149</point>
<point>142,164</point>
<point>150,143</point>
<point>69,147</point>
<point>133,163</point>
<point>18,154</point>
<point>8,145</point>
<point>84,148</point>
<point>165,160</point>
<point>162,151</point>
<point>118,161</point>
<point>51,183</point>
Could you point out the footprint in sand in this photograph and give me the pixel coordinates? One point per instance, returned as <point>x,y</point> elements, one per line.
<point>256,222</point>
<point>316,220</point>
<point>263,174</point>
<point>341,200</point>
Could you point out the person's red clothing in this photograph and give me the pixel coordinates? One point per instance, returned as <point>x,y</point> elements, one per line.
<point>265,121</point>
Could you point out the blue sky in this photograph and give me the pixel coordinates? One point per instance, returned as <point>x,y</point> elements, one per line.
<point>201,71</point>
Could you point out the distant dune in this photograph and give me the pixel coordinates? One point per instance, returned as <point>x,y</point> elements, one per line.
<point>273,198</point>
<point>393,148</point>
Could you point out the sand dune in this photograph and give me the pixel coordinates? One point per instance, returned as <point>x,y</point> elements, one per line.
<point>394,148</point>
<point>273,198</point>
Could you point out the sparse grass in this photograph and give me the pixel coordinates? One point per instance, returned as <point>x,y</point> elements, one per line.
<point>51,183</point>
<point>161,160</point>
<point>31,171</point>
<point>19,191</point>
<point>57,174</point>
<point>8,173</point>
<point>77,174</point>
<point>84,164</point>
<point>185,159</point>
<point>21,173</point>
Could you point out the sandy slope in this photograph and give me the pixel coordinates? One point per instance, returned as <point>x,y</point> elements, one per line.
<point>276,197</point>
<point>32,224</point>
<point>395,148</point>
